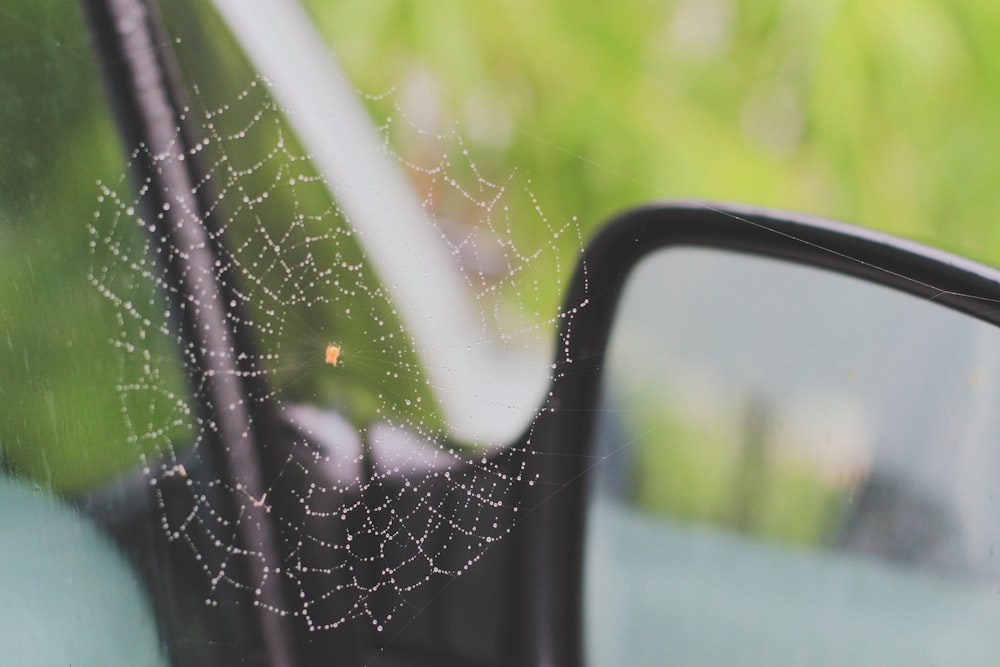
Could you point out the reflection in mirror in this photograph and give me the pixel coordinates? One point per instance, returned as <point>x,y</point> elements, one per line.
<point>797,468</point>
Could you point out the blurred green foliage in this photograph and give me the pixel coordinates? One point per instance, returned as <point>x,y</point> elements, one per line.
<point>702,469</point>
<point>60,421</point>
<point>884,114</point>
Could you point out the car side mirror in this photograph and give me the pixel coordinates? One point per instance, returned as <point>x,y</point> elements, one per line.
<point>769,435</point>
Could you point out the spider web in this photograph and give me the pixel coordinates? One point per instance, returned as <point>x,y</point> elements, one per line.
<point>360,537</point>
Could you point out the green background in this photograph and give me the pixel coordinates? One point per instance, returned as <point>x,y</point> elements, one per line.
<point>882,114</point>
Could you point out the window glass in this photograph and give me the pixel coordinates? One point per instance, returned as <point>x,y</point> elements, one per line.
<point>61,427</point>
<point>72,594</point>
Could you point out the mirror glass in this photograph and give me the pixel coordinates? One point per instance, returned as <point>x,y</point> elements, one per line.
<point>793,467</point>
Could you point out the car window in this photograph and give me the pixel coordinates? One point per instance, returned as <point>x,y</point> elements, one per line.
<point>71,595</point>
<point>58,140</point>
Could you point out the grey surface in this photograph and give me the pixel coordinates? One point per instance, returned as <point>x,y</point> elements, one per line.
<point>664,593</point>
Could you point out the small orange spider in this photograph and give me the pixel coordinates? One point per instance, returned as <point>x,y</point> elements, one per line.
<point>332,354</point>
